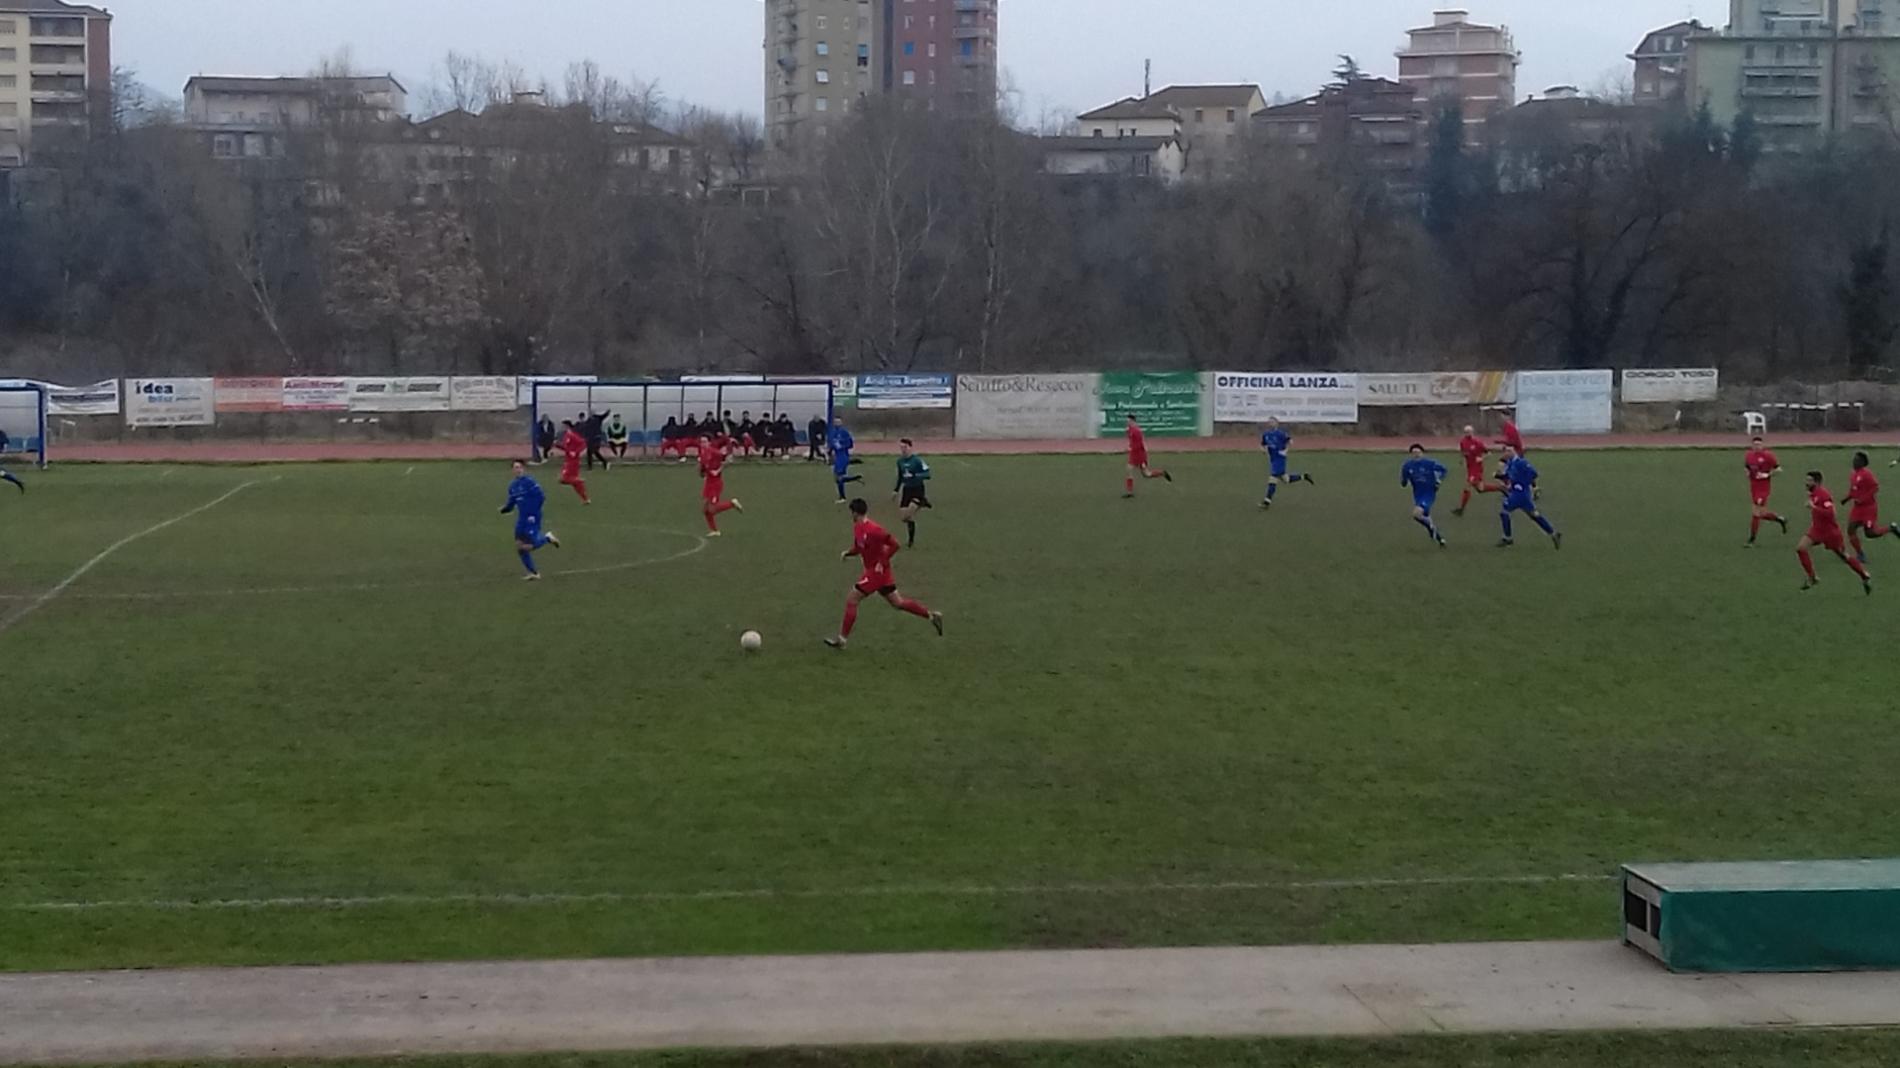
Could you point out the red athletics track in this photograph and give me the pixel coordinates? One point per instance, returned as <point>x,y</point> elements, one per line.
<point>315,452</point>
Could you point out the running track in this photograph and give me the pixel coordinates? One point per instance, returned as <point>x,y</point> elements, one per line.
<point>310,452</point>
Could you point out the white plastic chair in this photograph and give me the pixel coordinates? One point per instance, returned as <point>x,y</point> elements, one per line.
<point>1754,423</point>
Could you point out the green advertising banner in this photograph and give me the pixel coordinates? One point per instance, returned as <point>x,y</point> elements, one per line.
<point>1167,404</point>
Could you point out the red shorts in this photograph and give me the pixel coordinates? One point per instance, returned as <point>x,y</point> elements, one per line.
<point>1474,475</point>
<point>1758,491</point>
<point>570,474</point>
<point>714,488</point>
<point>1138,459</point>
<point>1828,538</point>
<point>872,583</point>
<point>1867,515</point>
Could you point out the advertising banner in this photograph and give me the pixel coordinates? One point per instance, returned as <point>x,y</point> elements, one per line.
<point>906,391</point>
<point>100,398</point>
<point>1438,387</point>
<point>524,385</point>
<point>1652,385</point>
<point>429,394</point>
<point>1026,406</point>
<point>844,391</point>
<point>157,402</point>
<point>1168,405</point>
<point>249,394</point>
<point>1245,397</point>
<point>316,394</point>
<point>490,394</point>
<point>1565,402</point>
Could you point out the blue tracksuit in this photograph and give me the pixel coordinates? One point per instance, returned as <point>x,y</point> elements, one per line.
<point>1519,480</point>
<point>1424,475</point>
<point>841,443</point>
<point>1275,441</point>
<point>525,500</point>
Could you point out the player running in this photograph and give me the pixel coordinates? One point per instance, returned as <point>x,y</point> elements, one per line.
<point>573,445</point>
<point>713,453</point>
<point>840,442</point>
<point>1138,458</point>
<point>1824,530</point>
<point>1520,495</point>
<point>1762,467</point>
<point>1274,442</point>
<point>1424,475</point>
<point>1474,450</point>
<point>1508,435</point>
<point>912,473</point>
<point>875,546</point>
<point>526,500</point>
<point>1863,497</point>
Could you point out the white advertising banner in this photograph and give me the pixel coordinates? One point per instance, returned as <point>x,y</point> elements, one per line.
<point>498,393</point>
<point>429,394</point>
<point>100,398</point>
<point>157,402</point>
<point>316,394</point>
<point>1249,397</point>
<point>1437,387</point>
<point>1565,402</point>
<point>1664,384</point>
<point>1026,406</point>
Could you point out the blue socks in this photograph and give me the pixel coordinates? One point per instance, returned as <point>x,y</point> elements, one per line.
<point>1272,488</point>
<point>1430,527</point>
<point>8,476</point>
<point>1542,522</point>
<point>1505,518</point>
<point>527,560</point>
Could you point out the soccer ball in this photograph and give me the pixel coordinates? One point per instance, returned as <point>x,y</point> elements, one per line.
<point>750,641</point>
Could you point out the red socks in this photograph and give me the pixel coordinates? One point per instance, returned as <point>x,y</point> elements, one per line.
<point>1157,474</point>
<point>1754,527</point>
<point>1859,568</point>
<point>915,608</point>
<point>1464,500</point>
<point>1807,563</point>
<point>580,487</point>
<point>1129,483</point>
<point>850,620</point>
<point>712,510</point>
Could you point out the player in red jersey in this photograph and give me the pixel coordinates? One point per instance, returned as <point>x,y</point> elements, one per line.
<point>1824,530</point>
<point>1138,458</point>
<point>875,546</point>
<point>573,447</point>
<point>1863,513</point>
<point>1508,434</point>
<point>1474,450</point>
<point>1762,468</point>
<point>713,452</point>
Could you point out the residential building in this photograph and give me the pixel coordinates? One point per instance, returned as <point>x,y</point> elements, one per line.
<point>1805,71</point>
<point>1132,116</point>
<point>1549,131</point>
<point>1376,121</point>
<point>1455,61</point>
<point>249,118</point>
<point>1133,156</point>
<point>942,52</point>
<point>818,63</point>
<point>1660,61</point>
<point>55,62</point>
<point>440,158</point>
<point>1211,122</point>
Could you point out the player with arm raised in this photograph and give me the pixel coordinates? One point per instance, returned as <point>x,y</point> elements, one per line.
<point>713,453</point>
<point>526,501</point>
<point>875,546</point>
<point>1863,513</point>
<point>1762,467</point>
<point>911,491</point>
<point>1424,475</point>
<point>1824,530</point>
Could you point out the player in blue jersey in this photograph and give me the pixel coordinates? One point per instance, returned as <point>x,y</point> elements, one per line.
<point>1520,495</point>
<point>1274,442</point>
<point>1424,475</point>
<point>841,443</point>
<point>526,500</point>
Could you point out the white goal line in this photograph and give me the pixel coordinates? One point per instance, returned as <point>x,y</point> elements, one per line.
<point>369,901</point>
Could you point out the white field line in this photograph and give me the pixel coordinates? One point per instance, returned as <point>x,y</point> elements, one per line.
<point>700,543</point>
<point>768,894</point>
<point>49,596</point>
<point>411,471</point>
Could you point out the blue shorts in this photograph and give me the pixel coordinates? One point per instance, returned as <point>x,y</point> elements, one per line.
<point>528,529</point>
<point>842,465</point>
<point>1519,501</point>
<point>1279,467</point>
<point>1425,501</point>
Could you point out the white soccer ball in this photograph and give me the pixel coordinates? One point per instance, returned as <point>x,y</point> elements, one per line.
<point>750,641</point>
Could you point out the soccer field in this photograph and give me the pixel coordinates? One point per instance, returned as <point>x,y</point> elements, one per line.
<point>324,720</point>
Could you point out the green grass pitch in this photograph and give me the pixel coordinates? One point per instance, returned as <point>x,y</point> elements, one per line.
<point>1172,720</point>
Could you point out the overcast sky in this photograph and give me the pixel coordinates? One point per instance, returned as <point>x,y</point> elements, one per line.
<point>1062,55</point>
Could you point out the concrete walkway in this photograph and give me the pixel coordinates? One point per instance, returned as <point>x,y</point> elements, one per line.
<point>921,998</point>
